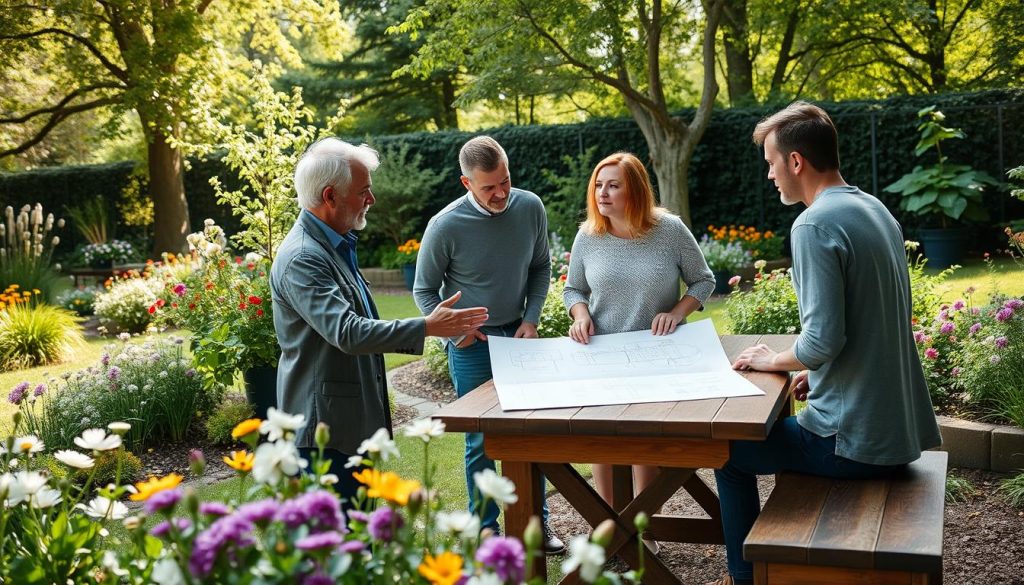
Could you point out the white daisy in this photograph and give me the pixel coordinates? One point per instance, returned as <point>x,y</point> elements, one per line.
<point>278,423</point>
<point>24,485</point>
<point>586,556</point>
<point>354,461</point>
<point>74,459</point>
<point>100,507</point>
<point>46,498</point>
<point>379,443</point>
<point>28,444</point>
<point>499,489</point>
<point>98,440</point>
<point>461,522</point>
<point>274,459</point>
<point>425,429</point>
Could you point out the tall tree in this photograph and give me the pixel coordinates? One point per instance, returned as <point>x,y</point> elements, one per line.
<point>165,61</point>
<point>636,49</point>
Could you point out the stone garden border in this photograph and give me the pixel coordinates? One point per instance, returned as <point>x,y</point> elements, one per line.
<point>982,445</point>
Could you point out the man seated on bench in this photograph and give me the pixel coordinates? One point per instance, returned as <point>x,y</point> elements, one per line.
<point>868,409</point>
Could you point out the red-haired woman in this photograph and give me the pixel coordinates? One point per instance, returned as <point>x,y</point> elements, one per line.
<point>625,267</point>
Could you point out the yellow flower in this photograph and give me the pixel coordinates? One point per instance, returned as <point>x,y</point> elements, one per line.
<point>387,485</point>
<point>240,460</point>
<point>245,427</point>
<point>153,485</point>
<point>444,569</point>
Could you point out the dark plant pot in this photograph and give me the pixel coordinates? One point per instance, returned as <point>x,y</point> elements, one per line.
<point>409,273</point>
<point>108,264</point>
<point>722,281</point>
<point>261,388</point>
<point>943,247</point>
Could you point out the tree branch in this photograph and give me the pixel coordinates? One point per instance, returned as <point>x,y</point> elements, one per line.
<point>110,66</point>
<point>655,89</point>
<point>55,119</point>
<point>59,105</point>
<point>707,98</point>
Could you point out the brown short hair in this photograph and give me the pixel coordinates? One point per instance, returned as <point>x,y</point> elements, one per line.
<point>803,128</point>
<point>483,153</point>
<point>641,213</point>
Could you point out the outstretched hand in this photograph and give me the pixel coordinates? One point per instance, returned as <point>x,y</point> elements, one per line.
<point>444,321</point>
<point>760,357</point>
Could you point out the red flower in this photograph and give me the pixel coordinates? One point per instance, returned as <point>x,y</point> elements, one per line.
<point>250,266</point>
<point>209,285</point>
<point>242,306</point>
<point>192,306</point>
<point>238,259</point>
<point>174,305</point>
<point>562,278</point>
<point>152,309</point>
<point>259,312</point>
<point>254,300</point>
<point>160,302</point>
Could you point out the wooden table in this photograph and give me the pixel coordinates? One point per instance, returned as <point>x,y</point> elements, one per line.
<point>678,437</point>
<point>99,275</point>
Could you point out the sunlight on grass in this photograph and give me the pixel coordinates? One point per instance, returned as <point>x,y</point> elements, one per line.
<point>1002,276</point>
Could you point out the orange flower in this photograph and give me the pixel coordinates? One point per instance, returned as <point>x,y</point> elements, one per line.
<point>444,569</point>
<point>240,460</point>
<point>153,486</point>
<point>387,485</point>
<point>246,427</point>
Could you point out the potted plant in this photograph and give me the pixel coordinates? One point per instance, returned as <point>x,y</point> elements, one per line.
<point>402,257</point>
<point>942,193</point>
<point>724,259</point>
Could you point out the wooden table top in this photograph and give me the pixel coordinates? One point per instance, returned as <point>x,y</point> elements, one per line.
<point>747,417</point>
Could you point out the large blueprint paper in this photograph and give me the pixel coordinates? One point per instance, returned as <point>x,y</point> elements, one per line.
<point>621,368</point>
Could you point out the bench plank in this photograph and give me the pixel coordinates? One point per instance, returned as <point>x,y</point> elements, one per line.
<point>848,526</point>
<point>784,529</point>
<point>911,534</point>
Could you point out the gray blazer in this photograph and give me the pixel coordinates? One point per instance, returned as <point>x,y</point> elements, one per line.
<point>331,366</point>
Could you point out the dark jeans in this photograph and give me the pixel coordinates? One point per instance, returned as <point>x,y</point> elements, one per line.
<point>347,485</point>
<point>469,368</point>
<point>789,447</point>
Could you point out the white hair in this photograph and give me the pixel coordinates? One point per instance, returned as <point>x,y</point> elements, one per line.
<point>328,163</point>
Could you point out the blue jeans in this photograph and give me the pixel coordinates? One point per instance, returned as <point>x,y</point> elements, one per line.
<point>469,368</point>
<point>789,447</point>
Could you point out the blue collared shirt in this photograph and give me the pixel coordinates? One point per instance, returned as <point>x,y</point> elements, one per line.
<point>345,244</point>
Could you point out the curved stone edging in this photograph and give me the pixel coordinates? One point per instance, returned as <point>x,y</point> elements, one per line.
<point>982,445</point>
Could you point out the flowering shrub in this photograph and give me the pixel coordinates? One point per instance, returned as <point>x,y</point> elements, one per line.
<point>400,256</point>
<point>764,245</point>
<point>151,384</point>
<point>723,256</point>
<point>107,253</point>
<point>78,300</point>
<point>554,319</point>
<point>769,307</point>
<point>26,249</point>
<point>939,342</point>
<point>992,360</point>
<point>559,258</point>
<point>225,303</point>
<point>12,296</point>
<point>124,306</point>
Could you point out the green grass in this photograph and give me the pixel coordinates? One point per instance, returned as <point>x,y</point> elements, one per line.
<point>1001,276</point>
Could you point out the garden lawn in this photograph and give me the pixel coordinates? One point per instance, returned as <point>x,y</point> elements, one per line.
<point>1001,276</point>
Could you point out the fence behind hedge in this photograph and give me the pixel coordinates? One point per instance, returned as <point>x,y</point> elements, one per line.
<point>727,178</point>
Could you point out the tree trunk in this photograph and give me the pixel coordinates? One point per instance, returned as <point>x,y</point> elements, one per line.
<point>167,188</point>
<point>449,115</point>
<point>739,67</point>
<point>671,146</point>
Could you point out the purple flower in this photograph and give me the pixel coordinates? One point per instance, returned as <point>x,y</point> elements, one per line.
<point>163,501</point>
<point>943,315</point>
<point>947,328</point>
<point>233,529</point>
<point>1014,304</point>
<point>162,529</point>
<point>320,540</point>
<point>105,360</point>
<point>975,328</point>
<point>505,556</point>
<point>320,509</point>
<point>358,516</point>
<point>1002,342</point>
<point>383,524</point>
<point>317,579</point>
<point>18,393</point>
<point>959,305</point>
<point>114,373</point>
<point>352,546</point>
<point>180,289</point>
<point>213,509</point>
<point>919,336</point>
<point>931,353</point>
<point>1004,314</point>
<point>975,310</point>
<point>259,512</point>
<point>40,390</point>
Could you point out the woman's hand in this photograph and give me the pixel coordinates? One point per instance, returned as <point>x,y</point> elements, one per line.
<point>665,323</point>
<point>581,329</point>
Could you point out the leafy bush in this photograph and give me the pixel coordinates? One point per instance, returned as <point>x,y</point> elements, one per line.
<point>124,306</point>
<point>107,253</point>
<point>435,357</point>
<point>923,285</point>
<point>939,339</point>
<point>79,300</point>
<point>26,249</point>
<point>566,204</point>
<point>959,489</point>
<point>766,245</point>
<point>559,257</point>
<point>107,468</point>
<point>554,319</point>
<point>992,360</point>
<point>151,385</point>
<point>397,257</point>
<point>231,411</point>
<point>36,335</point>
<point>401,186</point>
<point>769,307</point>
<point>723,256</point>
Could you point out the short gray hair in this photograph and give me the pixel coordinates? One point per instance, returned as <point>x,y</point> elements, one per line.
<point>482,152</point>
<point>327,162</point>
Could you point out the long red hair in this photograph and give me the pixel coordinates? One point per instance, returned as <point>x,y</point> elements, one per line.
<point>641,210</point>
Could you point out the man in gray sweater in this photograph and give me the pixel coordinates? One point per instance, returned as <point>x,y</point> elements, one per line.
<point>492,245</point>
<point>868,408</point>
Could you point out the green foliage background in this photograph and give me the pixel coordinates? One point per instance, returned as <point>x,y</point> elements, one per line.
<point>728,176</point>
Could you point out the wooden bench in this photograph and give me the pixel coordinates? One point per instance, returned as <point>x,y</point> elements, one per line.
<point>815,530</point>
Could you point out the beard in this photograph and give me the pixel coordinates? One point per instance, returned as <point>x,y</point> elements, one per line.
<point>360,220</point>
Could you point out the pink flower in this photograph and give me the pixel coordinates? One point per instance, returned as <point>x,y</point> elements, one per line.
<point>959,305</point>
<point>956,371</point>
<point>735,280</point>
<point>1002,342</point>
<point>919,336</point>
<point>931,353</point>
<point>180,289</point>
<point>947,328</point>
<point>974,328</point>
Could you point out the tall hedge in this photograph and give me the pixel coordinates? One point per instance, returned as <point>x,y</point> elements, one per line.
<point>727,179</point>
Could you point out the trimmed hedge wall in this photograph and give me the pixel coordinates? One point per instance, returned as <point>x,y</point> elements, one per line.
<point>727,178</point>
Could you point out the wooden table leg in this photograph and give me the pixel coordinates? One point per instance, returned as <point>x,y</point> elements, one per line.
<point>622,486</point>
<point>526,477</point>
